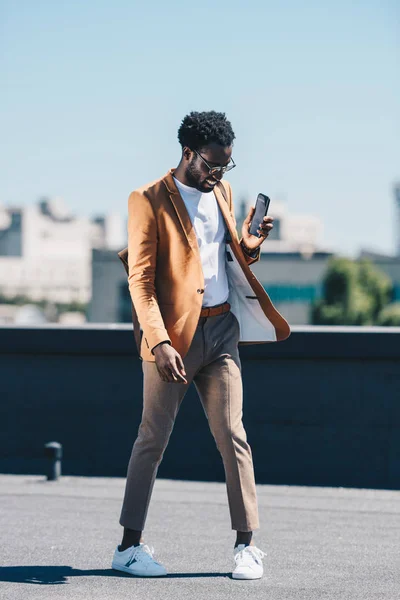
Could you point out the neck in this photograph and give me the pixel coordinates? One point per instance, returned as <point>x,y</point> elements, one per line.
<point>180,174</point>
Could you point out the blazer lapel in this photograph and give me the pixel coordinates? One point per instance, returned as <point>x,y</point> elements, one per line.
<point>181,212</point>
<point>223,205</point>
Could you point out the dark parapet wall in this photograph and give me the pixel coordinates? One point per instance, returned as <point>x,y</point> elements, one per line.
<point>322,408</point>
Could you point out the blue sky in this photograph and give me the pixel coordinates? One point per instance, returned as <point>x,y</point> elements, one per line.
<point>92,94</point>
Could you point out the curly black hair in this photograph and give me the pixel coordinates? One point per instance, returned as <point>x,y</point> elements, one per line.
<point>198,129</point>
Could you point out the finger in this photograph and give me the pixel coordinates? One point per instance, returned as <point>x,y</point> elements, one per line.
<point>179,379</point>
<point>171,375</point>
<point>175,372</point>
<point>180,365</point>
<point>263,232</point>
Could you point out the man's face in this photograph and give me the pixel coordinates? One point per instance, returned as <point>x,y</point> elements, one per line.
<point>197,172</point>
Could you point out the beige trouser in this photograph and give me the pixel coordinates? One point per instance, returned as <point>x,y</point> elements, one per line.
<point>213,364</point>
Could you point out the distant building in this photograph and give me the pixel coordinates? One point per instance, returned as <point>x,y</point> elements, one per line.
<point>292,280</point>
<point>110,302</point>
<point>291,233</point>
<point>45,252</point>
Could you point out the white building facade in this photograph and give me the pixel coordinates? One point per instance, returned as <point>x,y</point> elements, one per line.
<point>46,253</point>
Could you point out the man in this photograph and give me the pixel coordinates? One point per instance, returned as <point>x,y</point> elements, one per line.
<point>184,262</point>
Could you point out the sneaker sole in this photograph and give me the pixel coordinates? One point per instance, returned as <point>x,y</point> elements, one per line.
<point>128,570</point>
<point>243,577</point>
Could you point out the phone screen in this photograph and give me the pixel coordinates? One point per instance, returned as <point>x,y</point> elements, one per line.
<point>261,210</point>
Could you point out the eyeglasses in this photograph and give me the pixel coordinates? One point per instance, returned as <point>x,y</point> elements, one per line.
<point>212,170</point>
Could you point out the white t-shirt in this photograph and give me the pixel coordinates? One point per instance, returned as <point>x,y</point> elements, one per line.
<point>210,229</point>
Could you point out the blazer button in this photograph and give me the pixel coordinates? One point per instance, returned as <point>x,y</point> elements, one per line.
<point>200,291</point>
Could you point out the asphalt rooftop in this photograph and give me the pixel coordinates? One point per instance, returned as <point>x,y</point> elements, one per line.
<point>58,538</point>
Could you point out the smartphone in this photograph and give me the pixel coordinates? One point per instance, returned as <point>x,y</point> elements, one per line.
<point>262,205</point>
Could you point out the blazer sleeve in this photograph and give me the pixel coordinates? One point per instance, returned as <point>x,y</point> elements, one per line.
<point>142,258</point>
<point>250,260</point>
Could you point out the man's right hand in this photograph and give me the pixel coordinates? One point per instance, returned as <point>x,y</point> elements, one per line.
<point>169,364</point>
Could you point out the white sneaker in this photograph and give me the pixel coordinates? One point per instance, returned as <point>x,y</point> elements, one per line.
<point>139,561</point>
<point>248,562</point>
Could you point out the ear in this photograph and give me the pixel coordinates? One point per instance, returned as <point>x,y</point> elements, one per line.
<point>187,153</point>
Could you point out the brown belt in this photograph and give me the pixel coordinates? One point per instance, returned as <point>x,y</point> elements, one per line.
<point>213,311</point>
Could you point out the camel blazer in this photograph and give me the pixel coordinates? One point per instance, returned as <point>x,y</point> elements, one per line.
<point>165,275</point>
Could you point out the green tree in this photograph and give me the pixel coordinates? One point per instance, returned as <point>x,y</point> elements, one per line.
<point>354,293</point>
<point>376,284</point>
<point>390,315</point>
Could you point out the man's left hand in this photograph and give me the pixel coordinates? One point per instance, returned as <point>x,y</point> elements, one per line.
<point>252,242</point>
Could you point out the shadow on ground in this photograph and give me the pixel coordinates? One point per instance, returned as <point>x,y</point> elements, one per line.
<point>58,575</point>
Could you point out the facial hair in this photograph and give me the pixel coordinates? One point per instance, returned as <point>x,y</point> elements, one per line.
<point>195,177</point>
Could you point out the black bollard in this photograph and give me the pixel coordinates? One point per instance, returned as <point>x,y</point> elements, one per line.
<point>53,451</point>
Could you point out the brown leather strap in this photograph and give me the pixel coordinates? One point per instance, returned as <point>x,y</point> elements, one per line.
<point>222,190</point>
<point>213,311</point>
